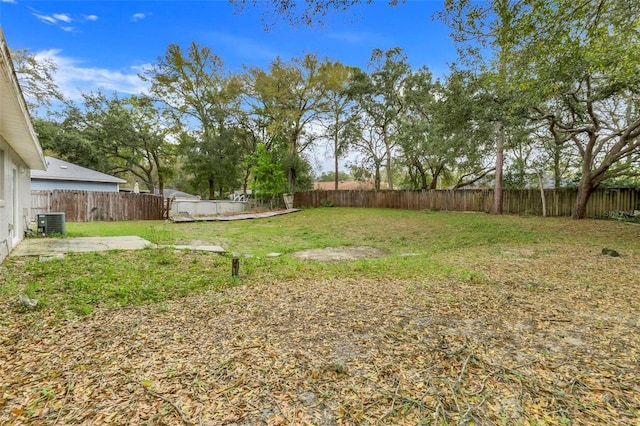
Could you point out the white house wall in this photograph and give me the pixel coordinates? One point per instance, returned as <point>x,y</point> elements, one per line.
<point>14,214</point>
<point>21,152</point>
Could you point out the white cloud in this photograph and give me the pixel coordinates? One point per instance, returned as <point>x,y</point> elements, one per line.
<point>59,19</point>
<point>141,69</point>
<point>46,19</point>
<point>9,1</point>
<point>73,78</point>
<point>62,17</point>
<point>138,16</point>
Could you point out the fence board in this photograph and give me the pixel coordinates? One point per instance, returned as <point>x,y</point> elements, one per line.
<point>560,202</point>
<point>87,206</point>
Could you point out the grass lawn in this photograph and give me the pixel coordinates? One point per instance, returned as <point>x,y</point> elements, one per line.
<point>466,318</point>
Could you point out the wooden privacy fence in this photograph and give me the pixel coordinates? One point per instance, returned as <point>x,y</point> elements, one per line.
<point>560,202</point>
<point>87,206</point>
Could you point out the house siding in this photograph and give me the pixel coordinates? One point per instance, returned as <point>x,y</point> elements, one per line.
<point>21,152</point>
<point>14,218</point>
<point>51,184</point>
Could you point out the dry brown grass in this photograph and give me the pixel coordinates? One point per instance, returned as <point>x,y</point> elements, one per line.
<point>552,339</point>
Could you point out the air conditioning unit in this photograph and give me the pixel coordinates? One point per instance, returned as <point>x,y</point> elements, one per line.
<point>52,223</point>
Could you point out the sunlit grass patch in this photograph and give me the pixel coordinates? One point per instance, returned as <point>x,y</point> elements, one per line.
<point>82,281</point>
<point>474,248</point>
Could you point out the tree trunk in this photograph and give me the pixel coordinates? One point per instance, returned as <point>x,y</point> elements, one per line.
<point>497,192</point>
<point>544,200</point>
<point>160,180</point>
<point>161,184</point>
<point>435,177</point>
<point>422,176</point>
<point>587,182</point>
<point>148,181</point>
<point>291,178</point>
<point>388,159</point>
<point>335,155</point>
<point>423,179</point>
<point>159,171</point>
<point>335,152</point>
<point>434,182</point>
<point>389,171</point>
<point>245,180</point>
<point>556,167</point>
<point>293,151</point>
<point>212,189</point>
<point>585,189</point>
<point>376,182</point>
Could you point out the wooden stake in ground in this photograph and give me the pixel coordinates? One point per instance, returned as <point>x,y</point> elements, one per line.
<point>235,267</point>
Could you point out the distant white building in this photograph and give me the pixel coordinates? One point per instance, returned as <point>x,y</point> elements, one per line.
<point>20,152</point>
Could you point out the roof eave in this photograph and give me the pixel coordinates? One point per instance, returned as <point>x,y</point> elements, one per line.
<point>15,121</point>
<point>116,180</point>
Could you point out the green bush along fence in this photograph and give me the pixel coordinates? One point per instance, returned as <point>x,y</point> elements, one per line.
<point>559,202</point>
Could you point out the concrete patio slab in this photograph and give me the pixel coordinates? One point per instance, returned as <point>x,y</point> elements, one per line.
<point>53,246</point>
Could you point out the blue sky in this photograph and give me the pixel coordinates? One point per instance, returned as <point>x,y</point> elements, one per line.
<point>105,44</point>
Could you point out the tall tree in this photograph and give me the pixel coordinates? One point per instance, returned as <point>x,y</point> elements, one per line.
<point>153,132</point>
<point>131,135</point>
<point>365,137</point>
<point>293,96</point>
<point>67,140</point>
<point>574,65</point>
<point>417,131</point>
<point>339,109</point>
<point>215,162</point>
<point>586,88</point>
<point>479,27</point>
<point>445,132</point>
<point>380,95</point>
<point>193,85</point>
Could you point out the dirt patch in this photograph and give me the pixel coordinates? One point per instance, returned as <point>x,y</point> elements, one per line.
<point>329,254</point>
